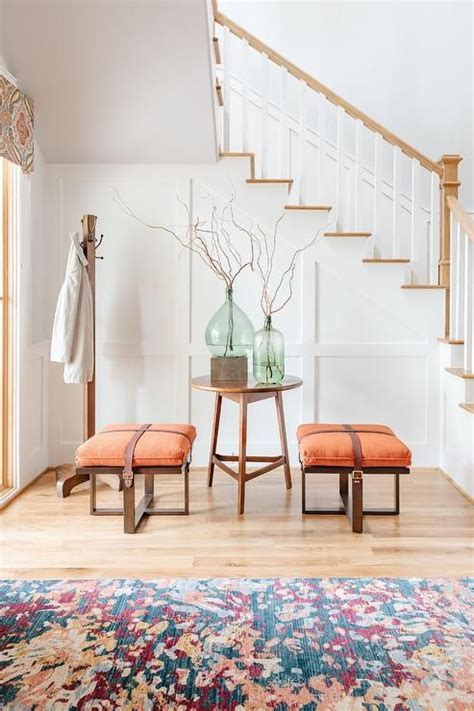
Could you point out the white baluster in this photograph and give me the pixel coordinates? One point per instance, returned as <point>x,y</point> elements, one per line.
<point>377,184</point>
<point>456,237</point>
<point>396,202</point>
<point>284,131</point>
<point>297,191</point>
<point>454,279</point>
<point>245,95</point>
<point>226,89</point>
<point>264,142</point>
<point>433,249</point>
<point>468,329</point>
<point>358,172</point>
<point>415,231</point>
<point>340,165</point>
<point>322,109</point>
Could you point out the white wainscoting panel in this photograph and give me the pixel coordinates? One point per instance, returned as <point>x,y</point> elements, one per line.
<point>365,348</point>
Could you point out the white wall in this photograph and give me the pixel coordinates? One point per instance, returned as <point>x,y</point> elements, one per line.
<point>366,349</point>
<point>409,65</point>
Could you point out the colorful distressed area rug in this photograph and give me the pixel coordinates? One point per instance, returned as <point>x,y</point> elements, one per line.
<point>370,644</point>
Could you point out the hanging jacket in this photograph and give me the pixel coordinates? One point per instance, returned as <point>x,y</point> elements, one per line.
<point>73,329</point>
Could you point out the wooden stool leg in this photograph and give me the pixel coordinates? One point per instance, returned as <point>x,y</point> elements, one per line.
<point>214,437</point>
<point>357,502</point>
<point>397,494</point>
<point>129,508</point>
<point>92,493</point>
<point>242,452</point>
<point>303,490</point>
<point>149,485</point>
<point>283,439</point>
<point>186,489</point>
<point>343,484</point>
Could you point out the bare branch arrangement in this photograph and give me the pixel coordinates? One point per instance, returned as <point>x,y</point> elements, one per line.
<point>208,239</point>
<point>276,291</point>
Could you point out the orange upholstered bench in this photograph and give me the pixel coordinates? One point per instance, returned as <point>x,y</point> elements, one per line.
<point>352,451</point>
<point>126,450</point>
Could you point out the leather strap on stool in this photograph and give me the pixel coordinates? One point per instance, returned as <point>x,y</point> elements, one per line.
<point>356,447</point>
<point>129,453</point>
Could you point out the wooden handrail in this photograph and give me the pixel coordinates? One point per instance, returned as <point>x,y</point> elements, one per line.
<point>321,88</point>
<point>466,222</point>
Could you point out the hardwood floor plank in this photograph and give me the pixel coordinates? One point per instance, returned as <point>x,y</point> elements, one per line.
<point>42,536</point>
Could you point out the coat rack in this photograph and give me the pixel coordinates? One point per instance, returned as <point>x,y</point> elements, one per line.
<point>66,477</point>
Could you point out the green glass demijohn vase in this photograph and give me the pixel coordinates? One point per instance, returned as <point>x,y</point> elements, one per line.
<point>229,333</point>
<point>268,354</point>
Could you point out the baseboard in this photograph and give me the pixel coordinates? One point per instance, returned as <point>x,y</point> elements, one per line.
<point>456,485</point>
<point>14,492</point>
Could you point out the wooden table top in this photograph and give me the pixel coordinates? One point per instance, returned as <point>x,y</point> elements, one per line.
<point>204,382</point>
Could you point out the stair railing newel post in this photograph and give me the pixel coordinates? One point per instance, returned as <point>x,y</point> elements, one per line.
<point>449,186</point>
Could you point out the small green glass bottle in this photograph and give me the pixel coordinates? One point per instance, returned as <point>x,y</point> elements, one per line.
<point>229,333</point>
<point>268,354</point>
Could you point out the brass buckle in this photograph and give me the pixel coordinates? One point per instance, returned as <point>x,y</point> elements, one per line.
<point>127,478</point>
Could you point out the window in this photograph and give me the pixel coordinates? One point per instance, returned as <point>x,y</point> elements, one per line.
<point>6,383</point>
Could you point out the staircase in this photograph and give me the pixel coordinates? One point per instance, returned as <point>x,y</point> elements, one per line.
<point>334,161</point>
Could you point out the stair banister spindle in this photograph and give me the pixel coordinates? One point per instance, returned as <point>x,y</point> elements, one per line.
<point>245,95</point>
<point>284,130</point>
<point>322,113</point>
<point>396,202</point>
<point>358,172</point>
<point>339,165</point>
<point>458,293</point>
<point>264,137</point>
<point>377,183</point>
<point>468,329</point>
<point>226,90</point>
<point>415,221</point>
<point>299,176</point>
<point>433,241</point>
<point>454,281</point>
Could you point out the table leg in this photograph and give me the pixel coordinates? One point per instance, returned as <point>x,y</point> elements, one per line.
<point>214,436</point>
<point>242,451</point>
<point>283,439</point>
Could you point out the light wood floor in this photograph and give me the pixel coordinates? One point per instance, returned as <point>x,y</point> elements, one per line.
<point>44,537</point>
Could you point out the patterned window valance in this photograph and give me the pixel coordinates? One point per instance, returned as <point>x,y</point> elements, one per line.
<point>16,126</point>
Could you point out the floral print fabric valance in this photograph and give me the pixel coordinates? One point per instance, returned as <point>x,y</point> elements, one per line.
<point>16,126</point>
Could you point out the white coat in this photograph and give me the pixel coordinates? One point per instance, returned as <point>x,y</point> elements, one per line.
<point>73,329</point>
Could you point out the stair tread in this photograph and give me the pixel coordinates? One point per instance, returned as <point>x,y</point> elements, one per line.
<point>423,286</point>
<point>321,208</point>
<point>460,373</point>
<point>262,181</point>
<point>400,260</point>
<point>451,341</point>
<point>348,234</point>
<point>469,406</point>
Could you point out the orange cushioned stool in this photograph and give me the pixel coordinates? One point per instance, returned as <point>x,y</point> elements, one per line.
<point>352,451</point>
<point>126,450</point>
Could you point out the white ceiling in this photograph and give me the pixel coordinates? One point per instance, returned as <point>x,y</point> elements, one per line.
<point>115,81</point>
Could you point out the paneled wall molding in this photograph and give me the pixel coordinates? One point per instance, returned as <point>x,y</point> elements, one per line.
<point>365,348</point>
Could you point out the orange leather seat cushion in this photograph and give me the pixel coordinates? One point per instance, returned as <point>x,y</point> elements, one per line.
<point>155,448</point>
<point>335,449</point>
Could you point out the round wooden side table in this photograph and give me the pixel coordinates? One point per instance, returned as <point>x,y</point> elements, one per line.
<point>245,393</point>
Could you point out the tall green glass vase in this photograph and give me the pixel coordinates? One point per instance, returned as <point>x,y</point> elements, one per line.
<point>268,354</point>
<point>229,333</point>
